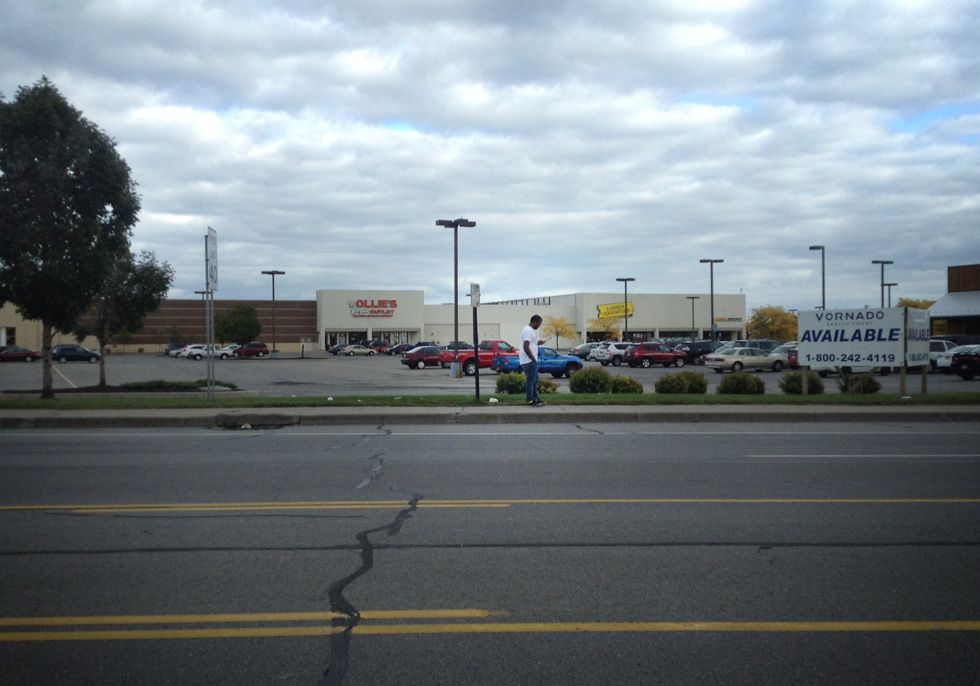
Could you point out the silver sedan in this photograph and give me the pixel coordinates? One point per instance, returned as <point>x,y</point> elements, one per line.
<point>737,359</point>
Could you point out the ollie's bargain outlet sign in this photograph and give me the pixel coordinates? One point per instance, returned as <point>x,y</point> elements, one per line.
<point>871,337</point>
<point>371,307</point>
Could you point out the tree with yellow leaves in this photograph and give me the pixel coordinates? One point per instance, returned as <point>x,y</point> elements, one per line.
<point>557,327</point>
<point>771,321</point>
<point>606,326</point>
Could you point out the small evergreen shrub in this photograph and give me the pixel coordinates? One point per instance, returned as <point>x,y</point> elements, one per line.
<point>511,383</point>
<point>514,383</point>
<point>858,384</point>
<point>696,383</point>
<point>670,383</point>
<point>591,381</point>
<point>792,383</point>
<point>626,384</point>
<point>742,383</point>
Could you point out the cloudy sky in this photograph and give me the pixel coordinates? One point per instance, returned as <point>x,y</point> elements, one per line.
<point>588,140</point>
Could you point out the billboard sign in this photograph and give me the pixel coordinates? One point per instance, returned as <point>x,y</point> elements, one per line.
<point>865,338</point>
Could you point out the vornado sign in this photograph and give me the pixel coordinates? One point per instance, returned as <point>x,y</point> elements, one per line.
<point>872,337</point>
<point>370,307</point>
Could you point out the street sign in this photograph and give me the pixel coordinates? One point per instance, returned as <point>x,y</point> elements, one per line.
<point>211,259</point>
<point>474,295</point>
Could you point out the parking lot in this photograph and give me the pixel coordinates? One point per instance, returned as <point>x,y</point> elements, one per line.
<point>323,375</point>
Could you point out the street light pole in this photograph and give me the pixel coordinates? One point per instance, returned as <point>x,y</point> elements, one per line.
<point>882,263</point>
<point>889,287</point>
<point>714,327</point>
<point>626,307</point>
<point>823,276</point>
<point>454,224</point>
<point>273,273</point>
<point>692,298</point>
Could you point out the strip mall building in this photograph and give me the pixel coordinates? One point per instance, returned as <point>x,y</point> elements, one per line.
<point>344,316</point>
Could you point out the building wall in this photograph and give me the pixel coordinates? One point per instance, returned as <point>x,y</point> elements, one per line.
<point>962,278</point>
<point>348,316</point>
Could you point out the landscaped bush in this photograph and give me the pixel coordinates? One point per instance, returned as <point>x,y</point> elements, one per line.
<point>742,383</point>
<point>682,382</point>
<point>514,383</point>
<point>670,383</point>
<point>626,384</point>
<point>591,381</point>
<point>511,383</point>
<point>792,383</point>
<point>858,384</point>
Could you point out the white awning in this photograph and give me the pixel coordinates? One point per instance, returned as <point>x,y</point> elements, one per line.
<point>963,304</point>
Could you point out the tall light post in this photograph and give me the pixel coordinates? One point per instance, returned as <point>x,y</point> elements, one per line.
<point>274,273</point>
<point>454,224</point>
<point>823,275</point>
<point>889,287</point>
<point>882,263</point>
<point>714,327</point>
<point>626,307</point>
<point>692,298</point>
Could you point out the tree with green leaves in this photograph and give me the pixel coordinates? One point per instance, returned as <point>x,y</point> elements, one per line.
<point>557,327</point>
<point>771,321</point>
<point>67,206</point>
<point>240,325</point>
<point>135,287</point>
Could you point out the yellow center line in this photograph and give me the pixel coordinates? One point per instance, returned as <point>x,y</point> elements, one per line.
<point>502,628</point>
<point>454,504</point>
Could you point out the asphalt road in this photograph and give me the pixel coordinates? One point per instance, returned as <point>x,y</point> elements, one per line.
<point>325,375</point>
<point>603,554</point>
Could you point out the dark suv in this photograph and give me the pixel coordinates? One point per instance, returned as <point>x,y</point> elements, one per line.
<point>695,349</point>
<point>967,363</point>
<point>253,349</point>
<point>648,354</point>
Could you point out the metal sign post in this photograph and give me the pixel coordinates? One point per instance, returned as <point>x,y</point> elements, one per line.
<point>211,285</point>
<point>475,302</point>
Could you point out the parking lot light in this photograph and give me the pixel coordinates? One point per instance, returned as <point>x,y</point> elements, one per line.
<point>273,273</point>
<point>626,314</point>
<point>882,263</point>
<point>454,224</point>
<point>714,326</point>
<point>823,275</point>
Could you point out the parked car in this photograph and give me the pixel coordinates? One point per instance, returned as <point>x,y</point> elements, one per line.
<point>172,349</point>
<point>696,349</point>
<point>458,345</point>
<point>194,352</point>
<point>936,348</point>
<point>357,349</point>
<point>550,361</point>
<point>945,361</point>
<point>582,350</point>
<point>611,353</point>
<point>176,351</point>
<point>227,351</point>
<point>421,357</point>
<point>401,348</point>
<point>253,349</point>
<point>763,343</point>
<point>967,363</point>
<point>379,347</point>
<point>74,353</point>
<point>793,357</point>
<point>648,354</point>
<point>14,353</point>
<point>737,359</point>
<point>335,349</point>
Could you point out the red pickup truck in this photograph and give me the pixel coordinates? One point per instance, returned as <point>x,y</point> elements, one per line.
<point>488,351</point>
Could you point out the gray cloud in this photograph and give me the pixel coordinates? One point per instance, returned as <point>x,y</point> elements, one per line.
<point>588,140</point>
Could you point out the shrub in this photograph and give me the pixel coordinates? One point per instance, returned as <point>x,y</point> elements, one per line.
<point>858,384</point>
<point>696,383</point>
<point>591,381</point>
<point>792,383</point>
<point>511,383</point>
<point>742,383</point>
<point>626,384</point>
<point>670,383</point>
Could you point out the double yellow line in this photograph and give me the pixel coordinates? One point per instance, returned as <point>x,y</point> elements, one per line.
<point>468,504</point>
<point>402,622</point>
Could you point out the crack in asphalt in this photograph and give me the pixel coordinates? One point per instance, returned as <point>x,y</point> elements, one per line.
<point>346,616</point>
<point>586,429</point>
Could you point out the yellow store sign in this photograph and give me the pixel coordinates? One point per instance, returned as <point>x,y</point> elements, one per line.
<point>614,310</point>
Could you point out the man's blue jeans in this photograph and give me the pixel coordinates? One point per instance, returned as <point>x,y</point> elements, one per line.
<point>531,374</point>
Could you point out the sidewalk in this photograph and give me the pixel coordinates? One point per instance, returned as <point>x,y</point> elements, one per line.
<point>553,414</point>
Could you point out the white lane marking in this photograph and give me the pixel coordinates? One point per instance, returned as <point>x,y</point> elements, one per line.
<point>61,374</point>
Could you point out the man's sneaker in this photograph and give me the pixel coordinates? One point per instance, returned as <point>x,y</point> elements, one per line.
<point>536,403</point>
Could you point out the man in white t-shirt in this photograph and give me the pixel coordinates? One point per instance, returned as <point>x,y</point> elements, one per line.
<point>528,357</point>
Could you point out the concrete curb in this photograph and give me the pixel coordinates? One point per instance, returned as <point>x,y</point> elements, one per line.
<point>318,416</point>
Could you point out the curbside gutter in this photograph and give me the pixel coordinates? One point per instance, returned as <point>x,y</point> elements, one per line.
<point>318,416</point>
